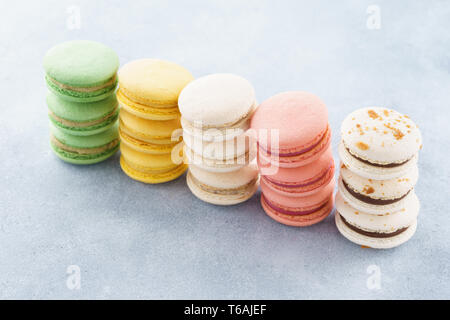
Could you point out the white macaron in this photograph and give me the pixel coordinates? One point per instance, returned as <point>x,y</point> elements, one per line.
<point>377,231</point>
<point>223,188</point>
<point>382,142</point>
<point>376,196</point>
<point>217,106</point>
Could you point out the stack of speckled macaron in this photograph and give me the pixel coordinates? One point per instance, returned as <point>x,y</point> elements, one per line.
<point>83,110</point>
<point>150,130</point>
<point>376,203</point>
<point>295,158</point>
<point>216,111</point>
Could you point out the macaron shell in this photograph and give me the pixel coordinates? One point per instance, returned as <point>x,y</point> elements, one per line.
<point>389,222</point>
<point>227,149</point>
<point>81,63</point>
<point>381,189</point>
<point>302,203</point>
<point>299,220</point>
<point>89,142</point>
<point>152,178</point>
<point>375,243</point>
<point>373,172</point>
<point>216,165</point>
<point>153,82</point>
<point>76,159</point>
<point>217,100</point>
<point>216,134</point>
<point>81,112</point>
<point>303,180</point>
<point>297,160</point>
<point>147,111</point>
<point>92,141</point>
<point>220,199</point>
<point>157,132</point>
<point>146,147</point>
<point>146,162</point>
<point>381,135</point>
<point>301,119</point>
<point>229,180</point>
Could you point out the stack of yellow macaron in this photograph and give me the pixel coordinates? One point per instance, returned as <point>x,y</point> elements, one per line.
<point>149,126</point>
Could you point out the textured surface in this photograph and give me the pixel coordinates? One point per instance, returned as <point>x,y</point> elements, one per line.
<point>153,82</point>
<point>81,64</point>
<point>132,240</point>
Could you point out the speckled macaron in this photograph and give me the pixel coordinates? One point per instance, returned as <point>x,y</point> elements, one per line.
<point>377,196</point>
<point>379,143</point>
<point>81,70</point>
<point>377,231</point>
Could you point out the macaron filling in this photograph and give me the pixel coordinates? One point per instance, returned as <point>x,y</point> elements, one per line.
<point>370,200</point>
<point>387,165</point>
<point>371,233</point>
<point>163,112</point>
<point>292,211</point>
<point>310,185</point>
<point>82,124</point>
<point>107,84</point>
<point>222,191</point>
<point>83,151</point>
<point>295,153</point>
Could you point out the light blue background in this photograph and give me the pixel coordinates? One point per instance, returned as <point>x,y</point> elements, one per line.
<point>133,240</point>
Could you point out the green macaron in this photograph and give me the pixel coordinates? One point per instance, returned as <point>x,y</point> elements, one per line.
<point>81,70</point>
<point>84,149</point>
<point>82,119</point>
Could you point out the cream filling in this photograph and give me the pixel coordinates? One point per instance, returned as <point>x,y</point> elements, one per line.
<point>78,89</point>
<point>82,124</point>
<point>85,151</point>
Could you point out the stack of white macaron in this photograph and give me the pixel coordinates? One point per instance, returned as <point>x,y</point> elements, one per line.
<point>376,203</point>
<point>216,111</point>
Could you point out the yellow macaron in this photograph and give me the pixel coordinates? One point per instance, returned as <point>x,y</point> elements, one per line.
<point>149,88</point>
<point>149,136</point>
<point>150,168</point>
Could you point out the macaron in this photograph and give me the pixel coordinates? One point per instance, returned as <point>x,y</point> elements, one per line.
<point>301,181</point>
<point>379,143</point>
<point>292,129</point>
<point>148,167</point>
<point>221,156</point>
<point>149,136</point>
<point>223,188</point>
<point>84,149</point>
<point>82,119</point>
<point>377,196</point>
<point>81,70</point>
<point>149,88</point>
<point>377,231</point>
<point>297,211</point>
<point>217,107</point>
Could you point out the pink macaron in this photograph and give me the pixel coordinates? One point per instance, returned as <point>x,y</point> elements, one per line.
<point>301,181</point>
<point>298,211</point>
<point>292,129</point>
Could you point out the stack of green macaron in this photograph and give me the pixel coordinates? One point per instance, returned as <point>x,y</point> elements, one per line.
<point>83,110</point>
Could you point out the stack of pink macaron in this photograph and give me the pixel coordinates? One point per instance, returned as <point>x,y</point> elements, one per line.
<point>295,158</point>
